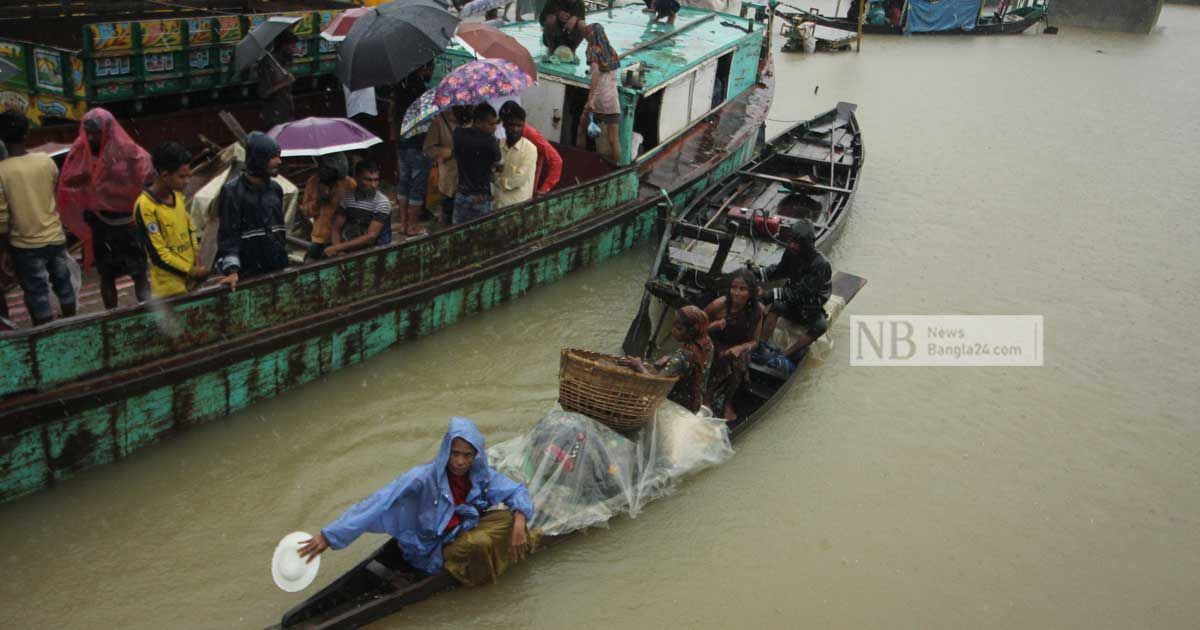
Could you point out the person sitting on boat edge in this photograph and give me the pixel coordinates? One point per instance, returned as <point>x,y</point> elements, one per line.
<point>441,515</point>
<point>168,235</point>
<point>736,326</point>
<point>252,240</point>
<point>559,20</point>
<point>364,218</point>
<point>801,300</point>
<point>323,192</point>
<point>689,362</point>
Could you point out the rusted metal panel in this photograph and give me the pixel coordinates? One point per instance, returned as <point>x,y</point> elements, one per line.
<point>68,353</point>
<point>23,465</point>
<point>201,398</point>
<point>144,420</point>
<point>81,442</point>
<point>17,359</point>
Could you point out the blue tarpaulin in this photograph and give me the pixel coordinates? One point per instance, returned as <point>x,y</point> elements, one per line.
<point>926,16</point>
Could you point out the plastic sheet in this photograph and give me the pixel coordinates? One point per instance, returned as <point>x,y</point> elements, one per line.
<point>581,474</point>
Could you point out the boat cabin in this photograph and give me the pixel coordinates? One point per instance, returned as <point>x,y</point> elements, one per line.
<point>670,77</point>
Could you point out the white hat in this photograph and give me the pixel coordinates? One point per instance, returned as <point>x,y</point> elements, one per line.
<point>290,571</point>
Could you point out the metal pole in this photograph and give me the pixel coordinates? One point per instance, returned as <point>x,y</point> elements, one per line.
<point>862,15</point>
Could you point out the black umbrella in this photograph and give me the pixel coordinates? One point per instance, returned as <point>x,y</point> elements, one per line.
<point>254,46</point>
<point>392,40</point>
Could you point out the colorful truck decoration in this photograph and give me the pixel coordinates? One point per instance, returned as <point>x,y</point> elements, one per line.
<point>144,59</point>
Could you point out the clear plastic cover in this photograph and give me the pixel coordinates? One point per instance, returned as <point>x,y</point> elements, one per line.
<point>580,473</point>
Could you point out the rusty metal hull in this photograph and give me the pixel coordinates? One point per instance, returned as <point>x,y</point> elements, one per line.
<point>91,390</point>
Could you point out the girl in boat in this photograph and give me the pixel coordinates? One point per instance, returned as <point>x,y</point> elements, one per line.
<point>736,326</point>
<point>689,362</point>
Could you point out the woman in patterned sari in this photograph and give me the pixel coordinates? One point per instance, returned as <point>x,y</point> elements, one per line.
<point>689,362</point>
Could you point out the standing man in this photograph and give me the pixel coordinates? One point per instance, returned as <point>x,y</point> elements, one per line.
<point>441,515</point>
<point>102,177</point>
<point>275,81</point>
<point>167,230</point>
<point>252,239</point>
<point>29,215</point>
<point>801,300</point>
<point>364,218</point>
<point>477,152</point>
<point>603,99</point>
<point>439,147</point>
<point>549,162</point>
<point>514,183</point>
<point>413,164</point>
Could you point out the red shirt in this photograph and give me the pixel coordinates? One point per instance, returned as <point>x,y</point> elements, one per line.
<point>459,487</point>
<point>548,158</point>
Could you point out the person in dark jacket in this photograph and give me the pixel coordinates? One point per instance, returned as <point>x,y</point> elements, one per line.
<point>252,239</point>
<point>809,283</point>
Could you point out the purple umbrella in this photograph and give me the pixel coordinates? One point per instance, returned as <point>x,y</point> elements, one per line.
<point>321,136</point>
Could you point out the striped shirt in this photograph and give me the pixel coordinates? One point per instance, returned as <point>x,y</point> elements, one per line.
<point>360,210</point>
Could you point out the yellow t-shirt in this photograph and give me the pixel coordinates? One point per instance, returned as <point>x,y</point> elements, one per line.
<point>27,185</point>
<point>171,243</point>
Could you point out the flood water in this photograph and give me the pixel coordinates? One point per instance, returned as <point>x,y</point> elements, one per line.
<point>1051,175</point>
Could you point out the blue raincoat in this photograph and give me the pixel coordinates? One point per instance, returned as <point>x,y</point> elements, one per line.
<point>417,506</point>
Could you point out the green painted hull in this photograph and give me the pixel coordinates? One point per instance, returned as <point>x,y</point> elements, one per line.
<point>281,331</point>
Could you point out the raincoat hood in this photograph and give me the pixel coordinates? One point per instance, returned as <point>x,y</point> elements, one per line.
<point>416,507</point>
<point>109,180</point>
<point>260,150</point>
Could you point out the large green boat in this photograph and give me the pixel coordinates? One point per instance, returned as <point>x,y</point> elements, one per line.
<point>92,389</point>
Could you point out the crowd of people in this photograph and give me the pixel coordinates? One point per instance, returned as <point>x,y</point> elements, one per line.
<point>126,205</point>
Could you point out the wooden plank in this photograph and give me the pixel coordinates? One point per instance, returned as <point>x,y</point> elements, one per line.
<point>796,182</point>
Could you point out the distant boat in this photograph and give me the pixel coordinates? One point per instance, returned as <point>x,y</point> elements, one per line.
<point>939,18</point>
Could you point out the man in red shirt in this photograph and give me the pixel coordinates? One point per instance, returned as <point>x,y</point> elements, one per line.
<point>549,162</point>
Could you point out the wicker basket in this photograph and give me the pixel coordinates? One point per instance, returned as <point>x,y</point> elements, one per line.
<point>593,384</point>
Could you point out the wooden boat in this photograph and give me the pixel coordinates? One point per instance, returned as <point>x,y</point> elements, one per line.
<point>91,389</point>
<point>383,583</point>
<point>1012,20</point>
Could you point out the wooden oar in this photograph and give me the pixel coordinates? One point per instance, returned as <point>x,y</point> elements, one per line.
<point>639,331</point>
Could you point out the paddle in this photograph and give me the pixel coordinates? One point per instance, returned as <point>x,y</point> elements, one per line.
<point>639,330</point>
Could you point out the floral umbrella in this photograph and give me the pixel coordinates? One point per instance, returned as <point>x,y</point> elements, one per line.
<point>418,116</point>
<point>469,84</point>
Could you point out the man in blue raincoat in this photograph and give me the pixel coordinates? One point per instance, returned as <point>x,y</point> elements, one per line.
<point>438,513</point>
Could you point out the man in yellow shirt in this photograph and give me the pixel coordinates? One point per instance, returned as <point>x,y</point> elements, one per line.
<point>30,218</point>
<point>514,183</point>
<point>166,228</point>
